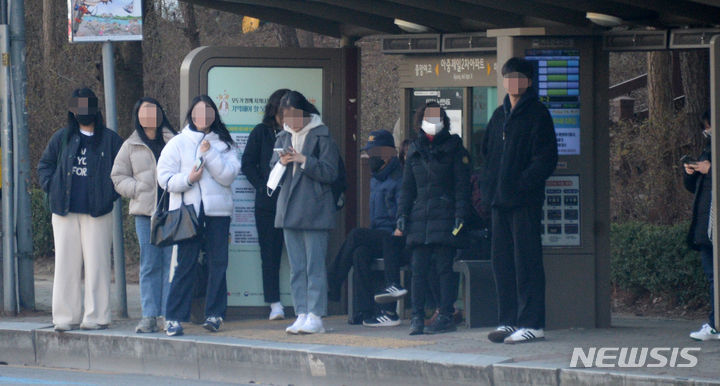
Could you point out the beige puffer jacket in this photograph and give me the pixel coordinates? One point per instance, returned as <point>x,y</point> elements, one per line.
<point>134,174</point>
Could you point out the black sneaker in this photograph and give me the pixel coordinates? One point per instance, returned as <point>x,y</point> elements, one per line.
<point>502,332</point>
<point>442,323</point>
<point>383,319</point>
<point>417,326</point>
<point>390,294</point>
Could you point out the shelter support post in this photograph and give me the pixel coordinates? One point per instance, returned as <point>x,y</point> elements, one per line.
<point>118,247</point>
<point>715,123</point>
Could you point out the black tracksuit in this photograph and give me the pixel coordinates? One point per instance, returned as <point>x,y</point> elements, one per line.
<point>520,149</point>
<point>256,167</point>
<point>434,193</point>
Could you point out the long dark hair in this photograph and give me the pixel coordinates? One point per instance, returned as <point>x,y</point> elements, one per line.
<point>296,100</point>
<point>165,124</point>
<point>73,126</point>
<point>420,115</point>
<point>272,107</point>
<point>217,127</point>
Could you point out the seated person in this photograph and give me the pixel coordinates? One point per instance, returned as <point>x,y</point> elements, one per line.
<point>364,245</point>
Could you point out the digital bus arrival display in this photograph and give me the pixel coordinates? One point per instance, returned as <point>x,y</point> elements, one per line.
<point>557,80</point>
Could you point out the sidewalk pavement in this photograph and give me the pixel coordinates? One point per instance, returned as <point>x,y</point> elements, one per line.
<point>260,351</point>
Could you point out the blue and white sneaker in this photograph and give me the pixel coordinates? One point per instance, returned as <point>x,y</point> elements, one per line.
<point>213,323</point>
<point>173,328</point>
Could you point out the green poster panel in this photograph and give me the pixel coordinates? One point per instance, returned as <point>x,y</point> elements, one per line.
<point>241,94</point>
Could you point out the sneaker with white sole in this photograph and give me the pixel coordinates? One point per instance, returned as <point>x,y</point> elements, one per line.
<point>525,335</point>
<point>147,324</point>
<point>313,325</point>
<point>213,323</point>
<point>383,319</point>
<point>295,327</point>
<point>390,294</point>
<point>500,333</point>
<point>173,328</point>
<point>706,332</point>
<point>276,311</point>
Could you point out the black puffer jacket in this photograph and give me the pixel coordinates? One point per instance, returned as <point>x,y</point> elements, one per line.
<point>55,166</point>
<point>701,185</point>
<point>520,150</point>
<point>256,166</point>
<point>435,189</point>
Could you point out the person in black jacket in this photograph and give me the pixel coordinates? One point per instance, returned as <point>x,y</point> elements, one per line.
<point>698,180</point>
<point>256,167</point>
<point>520,150</point>
<point>74,171</point>
<point>434,204</point>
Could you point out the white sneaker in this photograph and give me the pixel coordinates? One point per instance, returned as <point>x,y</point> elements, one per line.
<point>705,333</point>
<point>525,335</point>
<point>313,325</point>
<point>276,311</point>
<point>295,327</point>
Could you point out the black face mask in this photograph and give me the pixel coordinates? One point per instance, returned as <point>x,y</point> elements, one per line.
<point>376,163</point>
<point>85,120</point>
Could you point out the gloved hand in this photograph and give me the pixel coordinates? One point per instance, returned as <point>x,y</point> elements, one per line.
<point>400,224</point>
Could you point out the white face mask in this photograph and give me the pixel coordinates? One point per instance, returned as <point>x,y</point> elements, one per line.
<point>276,175</point>
<point>432,128</point>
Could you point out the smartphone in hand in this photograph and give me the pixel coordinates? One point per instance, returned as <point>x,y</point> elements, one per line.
<point>199,163</point>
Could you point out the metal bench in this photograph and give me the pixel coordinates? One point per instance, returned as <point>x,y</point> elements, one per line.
<point>479,294</point>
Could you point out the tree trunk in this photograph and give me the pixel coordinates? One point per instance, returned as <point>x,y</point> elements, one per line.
<point>129,81</point>
<point>48,28</point>
<point>191,31</point>
<point>660,100</point>
<point>696,84</point>
<point>287,36</point>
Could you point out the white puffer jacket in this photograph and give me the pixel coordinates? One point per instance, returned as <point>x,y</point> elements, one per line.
<point>221,168</point>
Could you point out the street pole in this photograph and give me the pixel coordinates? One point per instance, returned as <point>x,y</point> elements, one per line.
<point>715,172</point>
<point>112,123</point>
<point>23,218</point>
<point>8,226</point>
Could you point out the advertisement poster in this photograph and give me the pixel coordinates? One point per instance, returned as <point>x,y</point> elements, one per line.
<point>241,94</point>
<point>451,99</point>
<point>104,20</point>
<point>561,212</point>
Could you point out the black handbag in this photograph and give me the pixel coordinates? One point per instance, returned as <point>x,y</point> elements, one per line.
<point>168,227</point>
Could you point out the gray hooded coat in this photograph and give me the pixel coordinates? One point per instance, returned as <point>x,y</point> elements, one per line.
<point>305,201</point>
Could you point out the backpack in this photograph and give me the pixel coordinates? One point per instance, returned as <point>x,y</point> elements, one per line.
<point>339,186</point>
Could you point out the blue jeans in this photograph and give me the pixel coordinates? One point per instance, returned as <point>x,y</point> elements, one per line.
<point>308,283</point>
<point>214,241</point>
<point>154,271</point>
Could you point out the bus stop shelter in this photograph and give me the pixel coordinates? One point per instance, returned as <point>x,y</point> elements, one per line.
<point>454,49</point>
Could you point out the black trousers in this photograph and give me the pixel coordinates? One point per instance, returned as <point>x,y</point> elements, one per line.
<point>433,263</point>
<point>518,266</point>
<point>271,242</point>
<point>706,258</point>
<point>214,241</point>
<point>360,248</point>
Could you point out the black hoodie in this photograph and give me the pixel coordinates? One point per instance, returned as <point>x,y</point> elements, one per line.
<point>520,151</point>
